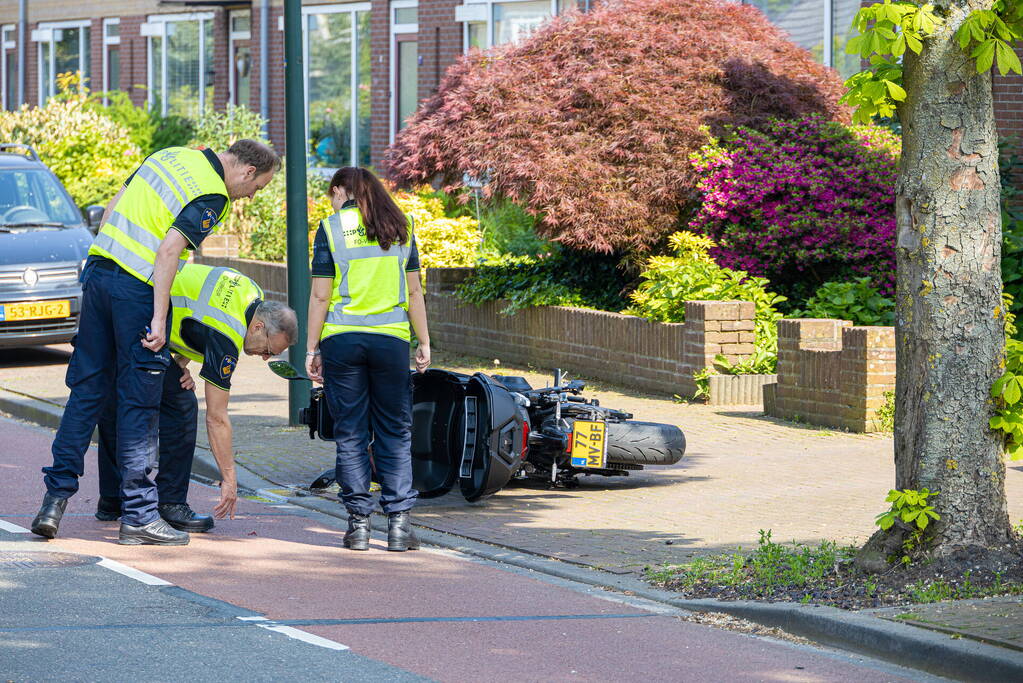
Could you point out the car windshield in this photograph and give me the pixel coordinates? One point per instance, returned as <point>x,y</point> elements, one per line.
<point>33,196</point>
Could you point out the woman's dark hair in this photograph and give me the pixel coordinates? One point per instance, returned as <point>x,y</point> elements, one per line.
<point>384,220</point>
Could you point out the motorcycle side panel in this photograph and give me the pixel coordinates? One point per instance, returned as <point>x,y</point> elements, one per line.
<point>465,429</point>
<point>498,452</point>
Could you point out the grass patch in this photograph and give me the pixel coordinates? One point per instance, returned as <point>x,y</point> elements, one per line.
<point>826,574</point>
<point>761,573</point>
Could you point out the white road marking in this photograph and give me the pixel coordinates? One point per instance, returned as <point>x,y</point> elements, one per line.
<point>293,632</point>
<point>253,618</point>
<point>133,573</point>
<point>13,528</point>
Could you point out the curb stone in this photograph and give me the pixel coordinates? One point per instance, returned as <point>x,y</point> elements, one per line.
<point>901,644</point>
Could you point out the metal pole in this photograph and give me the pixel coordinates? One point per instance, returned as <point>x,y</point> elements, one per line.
<point>22,39</point>
<point>264,65</point>
<point>298,222</point>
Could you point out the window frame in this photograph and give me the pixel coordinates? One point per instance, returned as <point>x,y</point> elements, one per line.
<point>353,8</point>
<point>83,52</point>
<point>5,45</point>
<point>108,42</point>
<point>163,20</point>
<point>232,38</point>
<point>397,30</point>
<point>489,4</point>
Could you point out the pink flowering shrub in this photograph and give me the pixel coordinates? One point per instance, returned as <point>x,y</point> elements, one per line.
<point>804,202</point>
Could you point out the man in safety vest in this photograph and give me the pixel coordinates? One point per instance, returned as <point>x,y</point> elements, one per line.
<point>169,205</point>
<point>218,314</point>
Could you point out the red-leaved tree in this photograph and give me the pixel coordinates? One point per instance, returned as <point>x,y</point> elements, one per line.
<point>590,120</point>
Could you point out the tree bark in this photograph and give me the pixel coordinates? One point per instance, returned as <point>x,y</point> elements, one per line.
<point>949,318</point>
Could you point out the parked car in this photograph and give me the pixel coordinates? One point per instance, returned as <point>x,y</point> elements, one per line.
<point>44,240</point>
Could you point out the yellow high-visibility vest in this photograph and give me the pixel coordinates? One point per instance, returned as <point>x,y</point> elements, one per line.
<point>215,297</point>
<point>369,289</point>
<point>164,185</point>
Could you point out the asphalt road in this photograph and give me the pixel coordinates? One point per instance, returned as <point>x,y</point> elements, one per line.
<point>271,595</point>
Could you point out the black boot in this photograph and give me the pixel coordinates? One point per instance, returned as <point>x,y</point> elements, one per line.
<point>183,518</point>
<point>400,535</point>
<point>48,520</point>
<point>108,509</point>
<point>357,536</point>
<point>154,533</point>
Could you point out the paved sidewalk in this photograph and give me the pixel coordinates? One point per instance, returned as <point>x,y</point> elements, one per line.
<point>742,472</point>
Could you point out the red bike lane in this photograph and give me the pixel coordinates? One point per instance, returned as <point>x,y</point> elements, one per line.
<point>430,612</point>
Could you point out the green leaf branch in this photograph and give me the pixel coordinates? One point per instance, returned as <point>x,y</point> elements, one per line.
<point>887,30</point>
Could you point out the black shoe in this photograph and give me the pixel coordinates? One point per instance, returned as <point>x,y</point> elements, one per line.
<point>183,518</point>
<point>357,536</point>
<point>108,509</point>
<point>154,533</point>
<point>400,535</point>
<point>47,521</point>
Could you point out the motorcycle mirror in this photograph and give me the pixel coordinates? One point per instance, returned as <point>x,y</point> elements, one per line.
<point>283,368</point>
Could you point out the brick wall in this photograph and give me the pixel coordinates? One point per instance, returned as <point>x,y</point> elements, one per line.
<point>831,373</point>
<point>657,357</point>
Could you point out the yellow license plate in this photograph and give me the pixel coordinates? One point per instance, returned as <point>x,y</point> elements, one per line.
<point>35,310</point>
<point>589,444</point>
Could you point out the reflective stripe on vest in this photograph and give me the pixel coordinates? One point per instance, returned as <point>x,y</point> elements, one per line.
<point>189,304</point>
<point>343,256</point>
<point>165,183</point>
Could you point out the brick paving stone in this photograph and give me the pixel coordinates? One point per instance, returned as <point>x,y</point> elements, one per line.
<point>995,620</point>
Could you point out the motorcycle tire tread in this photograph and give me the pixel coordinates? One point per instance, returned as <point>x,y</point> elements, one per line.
<point>644,443</point>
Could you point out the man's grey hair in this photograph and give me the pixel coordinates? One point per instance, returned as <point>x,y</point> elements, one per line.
<point>279,319</point>
<point>255,153</point>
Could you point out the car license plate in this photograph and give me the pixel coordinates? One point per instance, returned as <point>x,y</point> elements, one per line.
<point>589,444</point>
<point>35,310</point>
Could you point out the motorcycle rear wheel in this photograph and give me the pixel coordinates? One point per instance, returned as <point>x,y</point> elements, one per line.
<point>644,443</point>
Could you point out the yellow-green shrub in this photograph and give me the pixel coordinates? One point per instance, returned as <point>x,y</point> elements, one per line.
<point>90,153</point>
<point>442,241</point>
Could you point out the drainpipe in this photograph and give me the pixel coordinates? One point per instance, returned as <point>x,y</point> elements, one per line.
<point>22,38</point>
<point>264,65</point>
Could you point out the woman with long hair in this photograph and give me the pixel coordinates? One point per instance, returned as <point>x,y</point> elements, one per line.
<point>366,289</point>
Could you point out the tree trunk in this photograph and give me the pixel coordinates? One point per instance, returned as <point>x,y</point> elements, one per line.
<point>949,318</point>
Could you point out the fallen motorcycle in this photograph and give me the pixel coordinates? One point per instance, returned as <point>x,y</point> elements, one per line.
<point>482,431</point>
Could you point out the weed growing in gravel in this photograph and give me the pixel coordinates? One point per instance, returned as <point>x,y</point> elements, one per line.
<point>770,567</point>
<point>825,574</point>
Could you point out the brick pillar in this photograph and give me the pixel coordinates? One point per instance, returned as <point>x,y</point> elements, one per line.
<point>220,67</point>
<point>134,61</point>
<point>440,42</point>
<point>714,327</point>
<point>868,371</point>
<point>380,49</point>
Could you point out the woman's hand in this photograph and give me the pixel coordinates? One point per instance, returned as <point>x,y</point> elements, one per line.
<point>314,368</point>
<point>422,357</point>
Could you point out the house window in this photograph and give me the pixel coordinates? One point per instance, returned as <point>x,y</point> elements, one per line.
<point>240,55</point>
<point>404,62</point>
<point>9,66</point>
<point>821,26</point>
<point>180,63</point>
<point>111,56</point>
<point>494,22</point>
<point>64,47</point>
<point>338,86</point>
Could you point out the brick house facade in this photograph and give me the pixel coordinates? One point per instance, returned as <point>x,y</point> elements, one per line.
<point>404,37</point>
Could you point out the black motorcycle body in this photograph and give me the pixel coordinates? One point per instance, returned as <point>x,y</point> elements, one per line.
<point>482,431</point>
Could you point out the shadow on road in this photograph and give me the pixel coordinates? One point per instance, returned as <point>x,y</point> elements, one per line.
<point>34,355</point>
